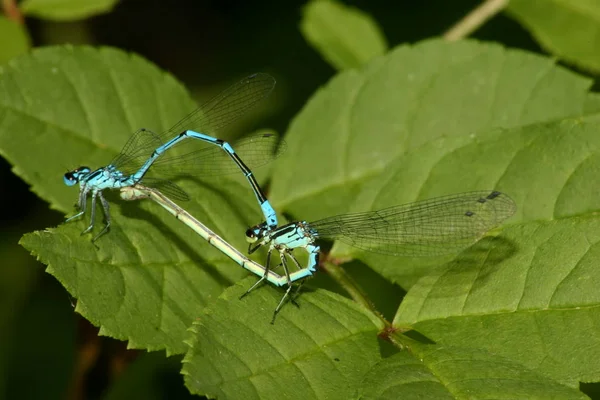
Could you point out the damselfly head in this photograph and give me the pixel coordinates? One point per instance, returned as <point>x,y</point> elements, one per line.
<point>256,232</point>
<point>73,177</point>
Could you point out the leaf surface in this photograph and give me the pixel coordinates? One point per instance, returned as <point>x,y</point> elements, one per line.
<point>345,36</point>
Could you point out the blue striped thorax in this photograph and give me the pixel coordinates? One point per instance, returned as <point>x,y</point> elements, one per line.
<point>290,236</point>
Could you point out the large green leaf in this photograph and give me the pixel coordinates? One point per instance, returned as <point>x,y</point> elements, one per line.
<point>361,121</point>
<point>546,168</point>
<point>566,28</point>
<point>592,103</point>
<point>18,39</point>
<point>445,372</point>
<point>345,36</point>
<point>536,304</point>
<point>328,349</point>
<point>149,277</point>
<point>319,350</point>
<point>66,10</point>
<point>62,107</point>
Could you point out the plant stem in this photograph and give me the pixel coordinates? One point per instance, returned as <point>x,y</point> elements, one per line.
<point>473,20</point>
<point>401,341</point>
<point>353,289</point>
<point>12,12</point>
<point>390,333</point>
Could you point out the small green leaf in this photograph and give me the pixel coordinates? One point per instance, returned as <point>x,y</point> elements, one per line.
<point>362,121</point>
<point>531,297</point>
<point>443,372</point>
<point>345,36</point>
<point>319,350</point>
<point>566,28</point>
<point>66,10</point>
<point>18,42</point>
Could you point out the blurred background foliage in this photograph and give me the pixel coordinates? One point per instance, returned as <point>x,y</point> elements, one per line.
<point>46,350</point>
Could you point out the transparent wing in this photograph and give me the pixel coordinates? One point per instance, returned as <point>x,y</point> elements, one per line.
<point>167,188</point>
<point>226,107</point>
<point>208,119</point>
<point>437,226</point>
<point>136,151</point>
<point>255,151</point>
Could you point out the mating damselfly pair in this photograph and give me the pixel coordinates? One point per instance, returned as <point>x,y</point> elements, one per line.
<point>430,227</point>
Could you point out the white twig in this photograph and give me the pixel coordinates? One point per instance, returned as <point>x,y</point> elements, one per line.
<point>477,17</point>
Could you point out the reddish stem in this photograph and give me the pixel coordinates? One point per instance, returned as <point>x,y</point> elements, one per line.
<point>12,11</point>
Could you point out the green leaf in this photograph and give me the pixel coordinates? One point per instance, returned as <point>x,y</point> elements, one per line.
<point>327,348</point>
<point>319,350</point>
<point>362,121</point>
<point>62,107</point>
<point>345,36</point>
<point>592,104</point>
<point>565,28</point>
<point>18,43</point>
<point>402,376</point>
<point>521,162</point>
<point>443,372</point>
<point>149,277</point>
<point>65,10</point>
<point>532,298</point>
